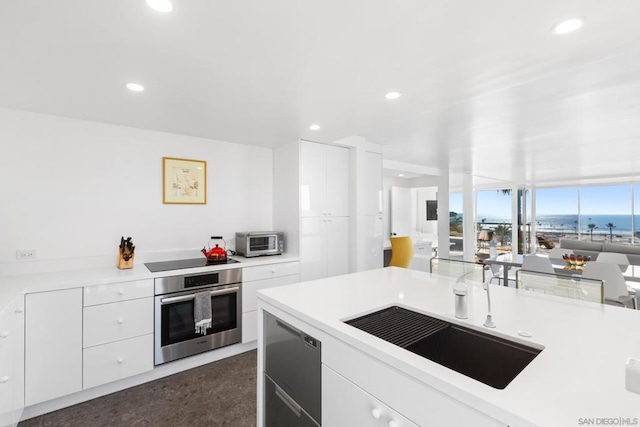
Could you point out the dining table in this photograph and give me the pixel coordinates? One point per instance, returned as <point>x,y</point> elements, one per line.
<point>631,273</point>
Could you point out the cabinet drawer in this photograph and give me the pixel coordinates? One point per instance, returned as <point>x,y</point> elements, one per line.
<point>5,326</point>
<point>418,401</point>
<point>117,360</point>
<point>282,410</point>
<point>6,385</point>
<point>120,320</point>
<point>423,249</point>
<point>269,271</point>
<point>113,292</point>
<point>345,404</point>
<point>249,289</point>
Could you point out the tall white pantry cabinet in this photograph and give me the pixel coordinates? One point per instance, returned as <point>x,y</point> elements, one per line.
<point>324,210</point>
<point>371,218</point>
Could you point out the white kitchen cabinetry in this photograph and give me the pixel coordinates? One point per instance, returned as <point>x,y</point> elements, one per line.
<point>117,360</point>
<point>324,247</point>
<point>345,404</point>
<point>371,245</point>
<point>324,210</point>
<point>324,180</point>
<point>262,277</point>
<point>53,346</point>
<point>418,402</point>
<point>373,248</point>
<point>106,323</point>
<point>7,369</point>
<point>12,363</point>
<point>114,292</point>
<point>118,331</point>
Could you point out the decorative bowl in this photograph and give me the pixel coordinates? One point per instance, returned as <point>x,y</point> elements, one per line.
<point>575,262</point>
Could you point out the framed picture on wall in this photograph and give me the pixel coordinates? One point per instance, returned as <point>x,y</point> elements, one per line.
<point>184,181</point>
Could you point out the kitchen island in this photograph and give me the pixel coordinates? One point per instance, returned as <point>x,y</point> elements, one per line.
<point>577,379</point>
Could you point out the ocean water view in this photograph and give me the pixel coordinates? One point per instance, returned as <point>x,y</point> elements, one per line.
<point>570,224</point>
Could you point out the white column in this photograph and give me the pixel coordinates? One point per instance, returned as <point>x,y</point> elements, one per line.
<point>443,215</point>
<point>514,219</point>
<point>469,214</point>
<point>534,239</point>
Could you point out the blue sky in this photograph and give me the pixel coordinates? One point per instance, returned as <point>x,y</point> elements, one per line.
<point>601,200</point>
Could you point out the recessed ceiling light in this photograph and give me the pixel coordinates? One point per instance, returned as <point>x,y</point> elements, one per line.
<point>400,174</point>
<point>314,127</point>
<point>393,95</point>
<point>135,87</point>
<point>568,26</point>
<point>160,5</point>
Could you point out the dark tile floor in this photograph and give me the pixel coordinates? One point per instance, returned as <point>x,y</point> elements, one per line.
<point>222,393</point>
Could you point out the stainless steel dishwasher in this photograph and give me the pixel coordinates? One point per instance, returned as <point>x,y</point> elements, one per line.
<point>292,377</point>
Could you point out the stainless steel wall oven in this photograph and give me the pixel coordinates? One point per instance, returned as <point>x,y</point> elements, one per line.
<point>175,335</point>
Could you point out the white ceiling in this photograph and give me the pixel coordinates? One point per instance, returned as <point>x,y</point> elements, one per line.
<point>488,90</point>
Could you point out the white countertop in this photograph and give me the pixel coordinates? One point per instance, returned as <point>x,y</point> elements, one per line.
<point>579,374</point>
<point>417,239</point>
<point>12,286</point>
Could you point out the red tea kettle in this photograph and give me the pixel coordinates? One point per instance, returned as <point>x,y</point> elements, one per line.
<point>215,253</point>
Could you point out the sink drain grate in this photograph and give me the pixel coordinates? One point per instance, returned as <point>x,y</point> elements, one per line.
<point>398,326</point>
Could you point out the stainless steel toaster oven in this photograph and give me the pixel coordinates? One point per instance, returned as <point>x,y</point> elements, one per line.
<point>257,243</point>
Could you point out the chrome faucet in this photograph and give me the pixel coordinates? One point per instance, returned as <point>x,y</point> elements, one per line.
<point>489,321</point>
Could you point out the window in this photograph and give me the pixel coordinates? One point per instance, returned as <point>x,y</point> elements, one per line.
<point>605,214</point>
<point>493,220</point>
<point>556,216</point>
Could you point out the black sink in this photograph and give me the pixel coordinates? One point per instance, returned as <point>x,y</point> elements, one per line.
<point>486,358</point>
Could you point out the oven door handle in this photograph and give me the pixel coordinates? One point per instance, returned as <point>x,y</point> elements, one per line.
<point>170,300</point>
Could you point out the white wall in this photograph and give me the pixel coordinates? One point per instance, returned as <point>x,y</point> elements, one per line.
<point>429,227</point>
<point>286,182</point>
<point>387,183</point>
<point>422,195</point>
<point>72,188</point>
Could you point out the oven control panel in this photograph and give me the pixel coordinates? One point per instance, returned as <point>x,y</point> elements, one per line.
<point>201,280</point>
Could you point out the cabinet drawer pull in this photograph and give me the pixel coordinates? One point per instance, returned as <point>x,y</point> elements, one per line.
<point>120,321</point>
<point>19,310</point>
<point>293,331</point>
<point>291,404</point>
<point>393,423</point>
<point>120,359</point>
<point>120,291</point>
<point>4,334</point>
<point>4,379</point>
<point>192,296</point>
<point>376,414</point>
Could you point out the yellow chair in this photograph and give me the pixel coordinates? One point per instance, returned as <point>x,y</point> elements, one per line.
<point>401,252</point>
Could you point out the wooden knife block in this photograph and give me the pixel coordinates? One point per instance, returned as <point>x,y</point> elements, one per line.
<point>122,264</point>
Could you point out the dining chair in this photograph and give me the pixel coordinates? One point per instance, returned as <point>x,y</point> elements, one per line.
<point>555,255</point>
<point>537,263</point>
<point>562,285</point>
<point>615,287</point>
<point>401,252</point>
<point>496,271</point>
<point>615,258</point>
<point>456,268</point>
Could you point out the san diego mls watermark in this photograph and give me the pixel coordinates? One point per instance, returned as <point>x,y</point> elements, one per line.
<point>609,421</point>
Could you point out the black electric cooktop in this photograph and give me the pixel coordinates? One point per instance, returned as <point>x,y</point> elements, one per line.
<point>179,264</point>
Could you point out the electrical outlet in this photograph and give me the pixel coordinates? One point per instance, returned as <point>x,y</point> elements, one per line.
<point>26,254</point>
